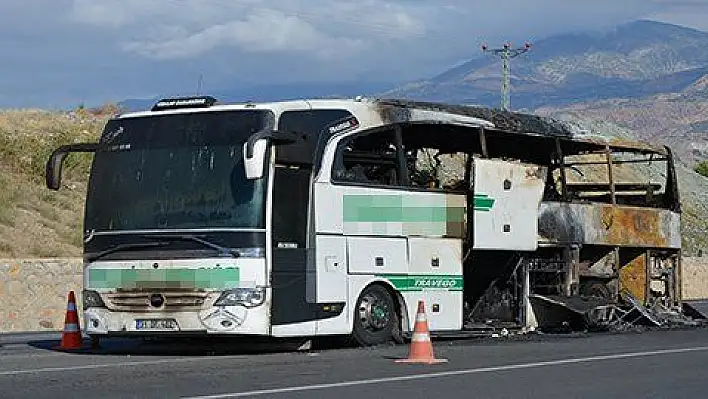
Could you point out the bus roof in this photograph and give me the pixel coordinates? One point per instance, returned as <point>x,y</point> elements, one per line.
<point>402,110</point>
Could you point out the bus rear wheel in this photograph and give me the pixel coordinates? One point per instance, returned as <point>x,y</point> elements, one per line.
<point>375,317</point>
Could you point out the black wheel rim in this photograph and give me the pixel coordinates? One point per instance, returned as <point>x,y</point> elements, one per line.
<point>374,312</point>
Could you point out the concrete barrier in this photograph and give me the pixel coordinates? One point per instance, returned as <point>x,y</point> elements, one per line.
<point>695,278</point>
<point>33,292</point>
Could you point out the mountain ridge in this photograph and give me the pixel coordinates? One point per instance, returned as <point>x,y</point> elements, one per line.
<point>635,59</point>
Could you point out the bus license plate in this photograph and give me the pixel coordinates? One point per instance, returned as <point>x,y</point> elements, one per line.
<point>156,324</point>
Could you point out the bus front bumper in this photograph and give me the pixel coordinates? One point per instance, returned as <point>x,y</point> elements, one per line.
<point>214,320</point>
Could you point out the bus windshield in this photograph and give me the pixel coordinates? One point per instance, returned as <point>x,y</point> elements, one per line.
<point>176,171</point>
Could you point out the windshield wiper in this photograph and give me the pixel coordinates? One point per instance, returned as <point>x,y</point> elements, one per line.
<point>123,247</point>
<point>188,237</point>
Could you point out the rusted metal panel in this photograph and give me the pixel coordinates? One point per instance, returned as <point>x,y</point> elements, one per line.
<point>603,224</point>
<point>633,278</point>
<point>632,227</point>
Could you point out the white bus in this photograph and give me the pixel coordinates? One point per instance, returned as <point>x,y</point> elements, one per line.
<point>334,217</point>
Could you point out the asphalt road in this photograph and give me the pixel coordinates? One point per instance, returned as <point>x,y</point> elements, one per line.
<point>663,364</point>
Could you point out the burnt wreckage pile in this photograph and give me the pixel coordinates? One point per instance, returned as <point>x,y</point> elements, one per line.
<point>601,314</point>
<point>561,312</point>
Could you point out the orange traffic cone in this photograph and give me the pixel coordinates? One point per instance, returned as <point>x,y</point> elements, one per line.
<point>71,337</point>
<point>421,349</point>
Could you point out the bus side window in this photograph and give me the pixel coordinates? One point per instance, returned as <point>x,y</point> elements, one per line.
<point>437,156</point>
<point>368,159</point>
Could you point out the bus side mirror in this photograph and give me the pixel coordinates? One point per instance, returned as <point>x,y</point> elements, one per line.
<point>54,164</point>
<point>254,150</point>
<point>254,160</point>
<point>56,161</point>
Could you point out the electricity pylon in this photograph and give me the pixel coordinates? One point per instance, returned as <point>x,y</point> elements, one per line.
<point>506,53</point>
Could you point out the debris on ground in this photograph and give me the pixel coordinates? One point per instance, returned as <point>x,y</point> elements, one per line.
<point>577,313</point>
<point>655,314</point>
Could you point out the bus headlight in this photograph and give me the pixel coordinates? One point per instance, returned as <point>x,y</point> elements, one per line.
<point>248,297</point>
<point>92,299</point>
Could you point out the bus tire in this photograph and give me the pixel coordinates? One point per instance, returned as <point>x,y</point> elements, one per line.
<point>375,316</point>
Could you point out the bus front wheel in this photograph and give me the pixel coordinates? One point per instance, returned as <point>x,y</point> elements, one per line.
<point>375,317</point>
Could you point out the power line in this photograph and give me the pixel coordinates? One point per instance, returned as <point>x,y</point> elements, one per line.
<point>506,53</point>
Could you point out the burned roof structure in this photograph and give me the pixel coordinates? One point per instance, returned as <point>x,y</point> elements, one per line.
<point>514,122</point>
<point>529,132</point>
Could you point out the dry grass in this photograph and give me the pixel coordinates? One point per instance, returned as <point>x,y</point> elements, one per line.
<point>34,221</point>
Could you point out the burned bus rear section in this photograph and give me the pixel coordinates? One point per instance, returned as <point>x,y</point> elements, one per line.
<point>605,213</point>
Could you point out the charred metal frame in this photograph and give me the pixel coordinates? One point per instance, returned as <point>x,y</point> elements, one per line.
<point>608,154</point>
<point>561,164</point>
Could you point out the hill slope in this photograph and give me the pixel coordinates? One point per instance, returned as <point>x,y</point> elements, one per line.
<point>34,221</point>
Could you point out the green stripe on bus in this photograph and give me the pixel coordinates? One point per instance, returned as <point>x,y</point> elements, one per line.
<point>483,202</point>
<point>424,282</point>
<point>217,279</point>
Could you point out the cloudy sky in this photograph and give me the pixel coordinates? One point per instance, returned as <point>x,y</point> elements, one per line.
<point>59,53</point>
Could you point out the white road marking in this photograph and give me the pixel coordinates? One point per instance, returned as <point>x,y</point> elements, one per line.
<point>121,364</point>
<point>452,373</point>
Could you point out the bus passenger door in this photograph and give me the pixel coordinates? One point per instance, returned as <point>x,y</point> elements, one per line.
<point>289,305</point>
<point>303,295</point>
